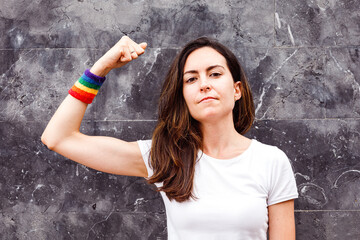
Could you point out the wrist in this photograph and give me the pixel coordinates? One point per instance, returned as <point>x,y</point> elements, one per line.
<point>99,70</point>
<point>87,87</point>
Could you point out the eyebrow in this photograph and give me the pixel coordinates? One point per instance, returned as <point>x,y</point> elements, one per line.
<point>208,69</point>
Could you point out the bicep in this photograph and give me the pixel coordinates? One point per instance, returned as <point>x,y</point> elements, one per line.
<point>282,221</point>
<point>106,154</point>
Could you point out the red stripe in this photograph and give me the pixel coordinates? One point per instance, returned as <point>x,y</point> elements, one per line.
<point>80,97</point>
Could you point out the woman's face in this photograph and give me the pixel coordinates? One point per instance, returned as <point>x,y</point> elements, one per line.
<point>208,87</point>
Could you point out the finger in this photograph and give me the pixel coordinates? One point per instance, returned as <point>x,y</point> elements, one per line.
<point>131,48</point>
<point>143,45</point>
<point>126,56</point>
<point>133,51</point>
<point>140,48</point>
<point>137,48</point>
<point>134,55</point>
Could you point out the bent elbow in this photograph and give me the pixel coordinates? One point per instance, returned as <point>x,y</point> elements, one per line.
<point>53,140</point>
<point>49,144</point>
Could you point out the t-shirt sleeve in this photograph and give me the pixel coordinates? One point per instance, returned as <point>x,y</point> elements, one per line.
<point>145,147</point>
<point>282,180</point>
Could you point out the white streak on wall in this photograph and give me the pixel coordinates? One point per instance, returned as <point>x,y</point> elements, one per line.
<point>278,20</point>
<point>291,36</point>
<point>341,175</point>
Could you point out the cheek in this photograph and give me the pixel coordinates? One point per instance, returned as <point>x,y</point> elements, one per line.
<point>187,94</point>
<point>229,93</point>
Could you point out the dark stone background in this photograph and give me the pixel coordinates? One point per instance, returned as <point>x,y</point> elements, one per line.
<point>302,59</point>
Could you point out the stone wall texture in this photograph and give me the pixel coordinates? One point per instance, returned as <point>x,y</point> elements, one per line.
<point>302,60</point>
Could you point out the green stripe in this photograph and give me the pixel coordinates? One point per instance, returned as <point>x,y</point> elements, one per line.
<point>89,85</point>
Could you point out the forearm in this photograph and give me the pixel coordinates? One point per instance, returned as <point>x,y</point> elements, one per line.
<point>67,119</point>
<point>65,122</point>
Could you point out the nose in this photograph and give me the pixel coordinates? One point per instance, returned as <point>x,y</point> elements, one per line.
<point>204,84</point>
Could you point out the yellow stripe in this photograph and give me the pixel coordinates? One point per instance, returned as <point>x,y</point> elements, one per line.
<point>86,89</point>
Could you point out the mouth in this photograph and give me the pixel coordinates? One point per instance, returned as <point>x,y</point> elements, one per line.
<point>207,99</point>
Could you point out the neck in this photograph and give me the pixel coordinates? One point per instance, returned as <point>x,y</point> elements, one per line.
<point>221,140</point>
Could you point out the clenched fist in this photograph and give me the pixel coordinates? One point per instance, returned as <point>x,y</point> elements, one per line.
<point>120,54</point>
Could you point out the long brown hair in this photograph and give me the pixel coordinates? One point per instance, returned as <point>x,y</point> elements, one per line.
<point>177,138</point>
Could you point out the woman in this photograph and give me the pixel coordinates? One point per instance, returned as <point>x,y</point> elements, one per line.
<point>215,183</point>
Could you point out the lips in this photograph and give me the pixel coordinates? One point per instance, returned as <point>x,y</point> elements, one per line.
<point>206,98</point>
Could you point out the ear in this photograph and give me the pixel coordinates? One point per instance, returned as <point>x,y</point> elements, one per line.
<point>237,90</point>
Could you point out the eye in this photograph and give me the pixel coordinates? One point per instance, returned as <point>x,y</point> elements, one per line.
<point>215,74</point>
<point>190,80</point>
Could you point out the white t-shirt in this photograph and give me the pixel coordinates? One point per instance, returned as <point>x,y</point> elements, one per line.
<point>233,194</point>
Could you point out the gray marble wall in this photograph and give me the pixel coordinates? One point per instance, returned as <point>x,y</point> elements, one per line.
<point>302,59</point>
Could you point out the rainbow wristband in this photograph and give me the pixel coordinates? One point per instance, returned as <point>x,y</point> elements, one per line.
<point>86,88</point>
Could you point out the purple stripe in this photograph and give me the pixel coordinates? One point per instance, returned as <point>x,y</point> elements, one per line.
<point>93,76</point>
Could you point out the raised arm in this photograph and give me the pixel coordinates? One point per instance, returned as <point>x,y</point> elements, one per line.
<point>105,154</point>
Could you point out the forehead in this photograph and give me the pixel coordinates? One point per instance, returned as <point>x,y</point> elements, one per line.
<point>204,57</point>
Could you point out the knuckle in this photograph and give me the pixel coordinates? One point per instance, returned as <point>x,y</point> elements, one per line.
<point>124,38</point>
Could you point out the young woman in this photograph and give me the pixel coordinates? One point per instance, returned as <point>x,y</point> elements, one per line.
<point>215,183</point>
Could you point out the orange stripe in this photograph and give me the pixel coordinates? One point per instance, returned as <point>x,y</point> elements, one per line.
<point>81,92</point>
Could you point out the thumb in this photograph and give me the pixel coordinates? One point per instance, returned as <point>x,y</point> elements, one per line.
<point>143,45</point>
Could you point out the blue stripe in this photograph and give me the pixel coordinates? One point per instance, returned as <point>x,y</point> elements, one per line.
<point>87,79</point>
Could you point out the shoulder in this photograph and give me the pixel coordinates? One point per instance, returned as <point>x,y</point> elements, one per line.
<point>268,151</point>
<point>145,146</point>
<point>276,170</point>
<point>269,156</point>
